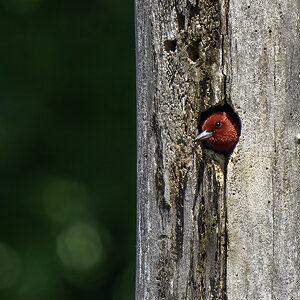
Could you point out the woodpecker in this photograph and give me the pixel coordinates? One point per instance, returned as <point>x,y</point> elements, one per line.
<point>221,131</point>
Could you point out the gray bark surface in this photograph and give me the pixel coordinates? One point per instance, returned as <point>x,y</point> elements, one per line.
<point>205,229</point>
<point>263,180</point>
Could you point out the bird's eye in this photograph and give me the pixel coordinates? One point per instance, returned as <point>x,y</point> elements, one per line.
<point>218,124</point>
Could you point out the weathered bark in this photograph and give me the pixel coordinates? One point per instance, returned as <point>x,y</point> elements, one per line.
<point>192,55</point>
<point>263,181</point>
<point>181,222</point>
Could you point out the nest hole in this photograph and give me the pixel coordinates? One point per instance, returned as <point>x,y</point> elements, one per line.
<point>218,108</point>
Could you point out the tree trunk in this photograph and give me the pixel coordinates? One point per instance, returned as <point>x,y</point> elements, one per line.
<point>211,227</point>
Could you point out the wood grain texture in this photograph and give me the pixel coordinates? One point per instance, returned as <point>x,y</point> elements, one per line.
<point>263,182</point>
<point>205,229</point>
<point>181,237</point>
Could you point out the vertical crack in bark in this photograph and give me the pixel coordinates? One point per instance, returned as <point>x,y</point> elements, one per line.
<point>159,179</point>
<point>215,227</point>
<point>224,237</point>
<point>179,204</point>
<point>225,234</point>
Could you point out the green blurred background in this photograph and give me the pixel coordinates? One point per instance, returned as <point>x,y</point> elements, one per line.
<point>67,149</point>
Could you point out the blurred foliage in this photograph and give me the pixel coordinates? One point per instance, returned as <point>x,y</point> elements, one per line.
<point>67,150</point>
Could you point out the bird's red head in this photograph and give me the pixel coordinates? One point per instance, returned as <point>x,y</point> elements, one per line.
<point>221,132</point>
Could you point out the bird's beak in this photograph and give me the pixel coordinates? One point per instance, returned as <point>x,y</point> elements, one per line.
<point>204,135</point>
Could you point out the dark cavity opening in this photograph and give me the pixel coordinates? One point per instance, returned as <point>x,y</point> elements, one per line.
<point>170,45</point>
<point>193,50</point>
<point>180,20</point>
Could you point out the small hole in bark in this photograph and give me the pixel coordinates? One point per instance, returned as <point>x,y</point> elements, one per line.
<point>180,20</point>
<point>170,45</point>
<point>265,48</point>
<point>269,201</point>
<point>270,31</point>
<point>248,6</point>
<point>255,30</point>
<point>193,51</point>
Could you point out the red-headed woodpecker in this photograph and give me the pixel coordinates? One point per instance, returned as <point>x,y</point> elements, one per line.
<point>221,132</point>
